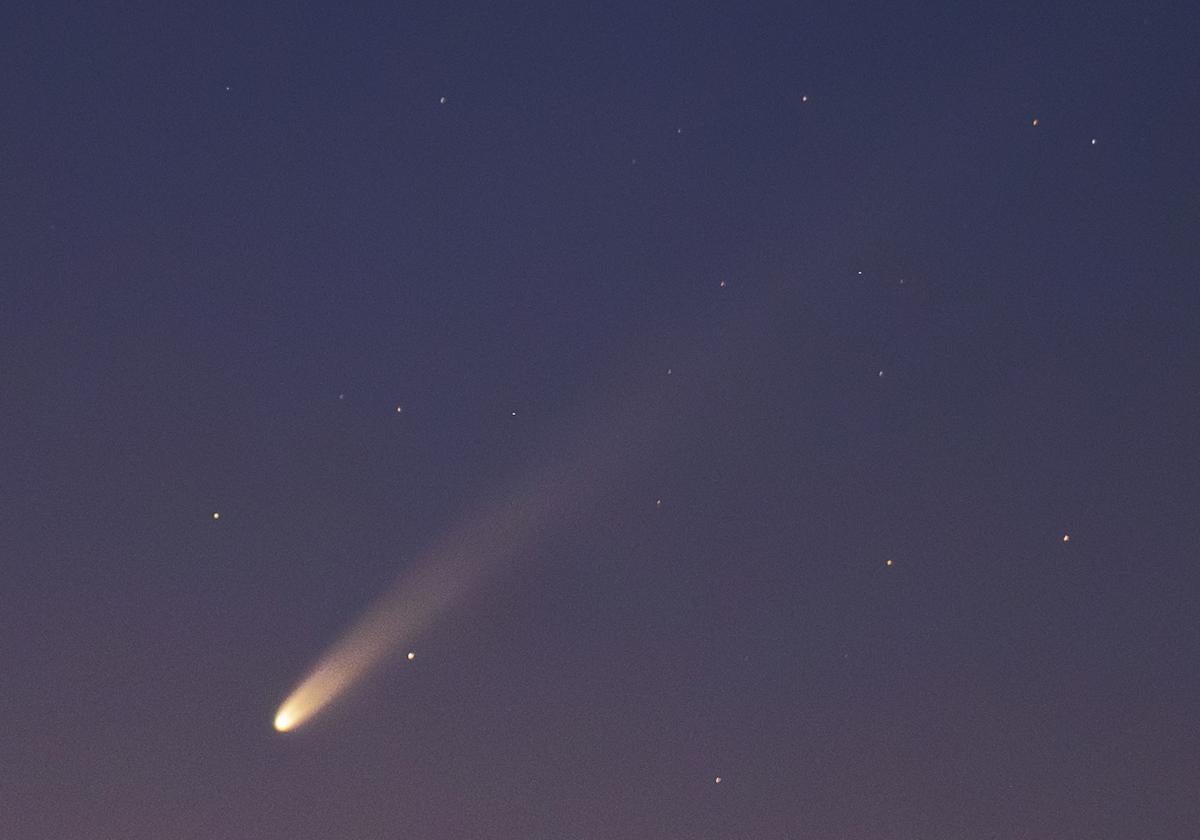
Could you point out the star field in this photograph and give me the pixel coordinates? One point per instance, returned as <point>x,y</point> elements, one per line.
<point>777,422</point>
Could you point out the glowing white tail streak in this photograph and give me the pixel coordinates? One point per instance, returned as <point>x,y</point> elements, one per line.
<point>451,570</point>
<point>606,447</point>
<point>493,540</point>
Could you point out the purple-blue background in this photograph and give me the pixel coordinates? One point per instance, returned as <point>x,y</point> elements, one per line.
<point>233,240</point>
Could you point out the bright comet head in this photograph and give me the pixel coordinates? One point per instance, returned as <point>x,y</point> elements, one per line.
<point>325,683</point>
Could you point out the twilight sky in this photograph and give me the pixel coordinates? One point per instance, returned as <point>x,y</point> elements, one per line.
<point>789,415</point>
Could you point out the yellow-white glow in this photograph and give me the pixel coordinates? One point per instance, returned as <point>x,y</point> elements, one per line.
<point>364,647</point>
<point>450,572</point>
<point>496,538</point>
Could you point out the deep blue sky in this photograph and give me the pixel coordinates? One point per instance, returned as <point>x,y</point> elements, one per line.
<point>233,240</point>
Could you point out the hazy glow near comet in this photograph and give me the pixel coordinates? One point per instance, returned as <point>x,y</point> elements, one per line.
<point>495,539</point>
<point>560,492</point>
<point>415,600</point>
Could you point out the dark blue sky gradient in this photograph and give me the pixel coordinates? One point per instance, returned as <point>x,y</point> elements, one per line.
<point>233,239</point>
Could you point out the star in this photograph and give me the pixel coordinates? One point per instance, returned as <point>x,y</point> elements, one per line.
<point>717,780</point>
<point>1066,537</point>
<point>1093,141</point>
<point>442,101</point>
<point>888,562</point>
<point>1035,122</point>
<point>658,503</point>
<point>399,409</point>
<point>411,656</point>
<point>216,515</point>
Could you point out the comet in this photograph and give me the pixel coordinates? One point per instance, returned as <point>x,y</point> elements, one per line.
<point>448,573</point>
<point>499,535</point>
<point>590,458</point>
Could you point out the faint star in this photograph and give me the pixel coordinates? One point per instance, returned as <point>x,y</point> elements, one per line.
<point>1066,537</point>
<point>442,101</point>
<point>399,409</point>
<point>717,780</point>
<point>1093,141</point>
<point>1035,121</point>
<point>888,562</point>
<point>722,284</point>
<point>658,502</point>
<point>880,373</point>
<point>803,98</point>
<point>514,414</point>
<point>216,515</point>
<point>411,656</point>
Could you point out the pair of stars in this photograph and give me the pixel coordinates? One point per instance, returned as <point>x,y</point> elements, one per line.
<point>1036,122</point>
